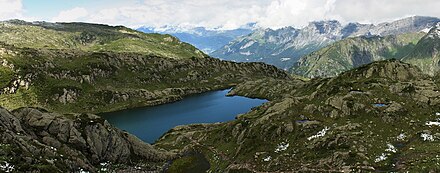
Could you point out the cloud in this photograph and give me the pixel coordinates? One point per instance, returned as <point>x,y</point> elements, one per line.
<point>208,13</point>
<point>282,13</point>
<point>230,14</point>
<point>10,9</point>
<point>299,12</point>
<point>75,14</point>
<point>375,11</point>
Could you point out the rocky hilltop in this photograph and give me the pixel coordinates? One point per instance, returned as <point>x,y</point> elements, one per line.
<point>380,117</point>
<point>35,140</point>
<point>283,47</point>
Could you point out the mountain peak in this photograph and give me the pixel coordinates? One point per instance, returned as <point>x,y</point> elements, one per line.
<point>325,26</point>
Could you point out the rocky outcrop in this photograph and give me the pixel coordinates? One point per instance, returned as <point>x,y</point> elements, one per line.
<point>35,140</point>
<point>67,96</point>
<point>109,81</point>
<point>391,69</point>
<point>380,117</point>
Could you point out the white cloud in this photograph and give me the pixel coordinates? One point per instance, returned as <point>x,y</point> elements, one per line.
<point>299,12</point>
<point>208,13</point>
<point>230,14</point>
<point>282,13</point>
<point>10,9</point>
<point>71,15</point>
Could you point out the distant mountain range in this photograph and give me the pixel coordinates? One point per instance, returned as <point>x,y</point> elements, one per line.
<point>418,48</point>
<point>207,40</point>
<point>283,47</point>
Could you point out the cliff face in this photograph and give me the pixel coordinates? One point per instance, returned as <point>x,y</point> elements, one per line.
<point>33,140</point>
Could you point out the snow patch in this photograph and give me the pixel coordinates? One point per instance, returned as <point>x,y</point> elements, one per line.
<point>285,59</point>
<point>268,158</point>
<point>432,123</point>
<point>104,166</point>
<point>388,151</point>
<point>427,137</point>
<point>391,148</point>
<point>382,157</point>
<point>248,44</point>
<point>6,167</point>
<point>319,134</point>
<point>248,53</point>
<point>81,170</point>
<point>282,147</point>
<point>426,30</point>
<point>401,137</point>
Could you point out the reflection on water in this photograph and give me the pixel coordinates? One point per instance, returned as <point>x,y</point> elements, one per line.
<point>150,123</point>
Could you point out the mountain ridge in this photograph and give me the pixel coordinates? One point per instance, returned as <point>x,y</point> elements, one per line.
<point>312,37</point>
<point>353,52</point>
<point>420,49</point>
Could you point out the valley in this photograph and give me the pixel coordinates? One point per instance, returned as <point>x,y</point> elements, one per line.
<point>350,98</point>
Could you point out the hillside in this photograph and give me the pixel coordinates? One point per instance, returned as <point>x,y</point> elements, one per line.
<point>76,81</point>
<point>93,37</point>
<point>354,52</point>
<point>74,69</point>
<point>34,140</point>
<point>283,47</point>
<point>380,117</point>
<point>78,67</point>
<point>426,53</point>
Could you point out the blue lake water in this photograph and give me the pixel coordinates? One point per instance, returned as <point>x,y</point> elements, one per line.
<point>380,105</point>
<point>150,123</point>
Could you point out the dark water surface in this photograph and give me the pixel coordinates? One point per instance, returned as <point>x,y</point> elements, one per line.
<point>150,123</point>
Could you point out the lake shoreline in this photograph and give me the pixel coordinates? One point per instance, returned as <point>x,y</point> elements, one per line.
<point>152,122</point>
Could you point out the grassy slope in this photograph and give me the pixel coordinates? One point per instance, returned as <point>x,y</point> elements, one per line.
<point>426,53</point>
<point>77,67</point>
<point>93,37</point>
<point>354,52</point>
<point>358,133</point>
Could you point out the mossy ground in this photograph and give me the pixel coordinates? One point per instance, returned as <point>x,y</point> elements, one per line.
<point>358,132</point>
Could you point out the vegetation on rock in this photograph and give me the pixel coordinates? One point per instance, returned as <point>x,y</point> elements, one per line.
<point>81,80</point>
<point>373,118</point>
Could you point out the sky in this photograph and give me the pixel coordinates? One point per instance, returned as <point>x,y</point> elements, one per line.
<point>221,14</point>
